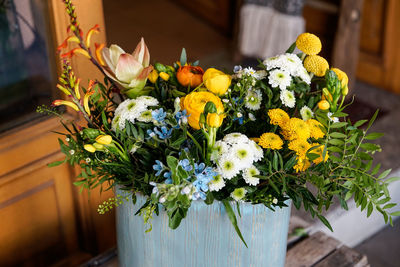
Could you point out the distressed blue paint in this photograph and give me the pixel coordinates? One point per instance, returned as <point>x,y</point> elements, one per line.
<point>204,238</point>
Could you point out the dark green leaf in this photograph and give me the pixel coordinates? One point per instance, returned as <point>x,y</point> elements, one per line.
<point>325,221</point>
<point>232,218</point>
<point>373,136</point>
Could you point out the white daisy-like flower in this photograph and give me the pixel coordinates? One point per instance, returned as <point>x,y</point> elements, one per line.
<point>248,175</point>
<point>239,193</point>
<point>275,201</point>
<point>228,167</point>
<point>216,184</point>
<point>273,62</point>
<point>333,119</point>
<point>288,99</point>
<point>243,155</point>
<point>279,78</point>
<point>235,138</point>
<point>249,71</point>
<point>306,113</point>
<point>88,160</point>
<point>253,99</point>
<point>225,100</point>
<point>72,152</point>
<point>145,116</point>
<point>117,123</point>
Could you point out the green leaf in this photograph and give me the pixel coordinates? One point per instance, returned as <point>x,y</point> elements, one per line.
<point>370,209</point>
<point>359,123</point>
<point>291,48</point>
<point>232,218</point>
<point>384,174</point>
<point>375,170</point>
<point>56,163</point>
<point>325,221</point>
<point>371,121</point>
<point>370,146</point>
<point>338,135</point>
<point>396,213</point>
<point>290,163</point>
<point>275,161</point>
<point>338,125</point>
<point>312,156</point>
<point>392,179</point>
<point>389,205</point>
<point>373,136</point>
<point>183,59</point>
<point>335,149</point>
<point>336,142</point>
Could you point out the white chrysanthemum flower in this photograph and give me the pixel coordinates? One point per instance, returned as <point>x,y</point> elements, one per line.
<point>117,123</point>
<point>235,138</point>
<point>147,100</point>
<point>288,99</point>
<point>253,99</point>
<point>216,184</point>
<point>306,113</point>
<point>243,155</point>
<point>303,74</point>
<point>249,173</point>
<point>145,116</point>
<point>279,78</point>
<point>258,152</point>
<point>228,167</point>
<point>220,148</point>
<point>239,193</point>
<point>273,62</point>
<point>333,119</point>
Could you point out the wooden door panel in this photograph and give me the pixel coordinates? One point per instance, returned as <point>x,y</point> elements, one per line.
<point>37,209</point>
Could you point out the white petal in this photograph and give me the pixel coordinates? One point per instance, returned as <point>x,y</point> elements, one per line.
<point>127,68</point>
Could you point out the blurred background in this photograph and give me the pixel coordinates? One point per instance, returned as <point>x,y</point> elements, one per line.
<point>46,222</point>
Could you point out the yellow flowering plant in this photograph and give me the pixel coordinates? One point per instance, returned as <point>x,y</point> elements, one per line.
<point>177,134</point>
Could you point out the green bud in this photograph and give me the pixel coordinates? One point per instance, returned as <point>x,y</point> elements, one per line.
<point>345,90</point>
<point>160,67</point>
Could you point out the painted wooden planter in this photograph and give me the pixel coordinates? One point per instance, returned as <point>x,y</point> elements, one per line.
<point>204,238</point>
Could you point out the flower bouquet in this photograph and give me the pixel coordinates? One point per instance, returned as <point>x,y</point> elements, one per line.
<point>176,134</point>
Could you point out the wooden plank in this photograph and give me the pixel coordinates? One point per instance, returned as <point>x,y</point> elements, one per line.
<point>347,39</point>
<point>344,257</point>
<point>311,250</point>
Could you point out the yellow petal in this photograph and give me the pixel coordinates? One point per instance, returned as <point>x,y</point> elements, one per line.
<point>63,89</point>
<point>66,103</point>
<point>104,139</point>
<point>89,148</point>
<point>77,93</point>
<point>95,29</point>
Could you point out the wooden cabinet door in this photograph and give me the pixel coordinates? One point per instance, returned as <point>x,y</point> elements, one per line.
<point>43,218</point>
<point>379,62</point>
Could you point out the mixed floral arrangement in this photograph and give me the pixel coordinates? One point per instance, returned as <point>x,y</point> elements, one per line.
<point>177,134</point>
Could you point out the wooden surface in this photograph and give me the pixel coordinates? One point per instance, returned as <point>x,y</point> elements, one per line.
<point>317,250</point>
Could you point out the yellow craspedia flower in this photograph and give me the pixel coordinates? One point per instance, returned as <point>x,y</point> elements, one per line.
<point>302,165</point>
<point>278,116</point>
<point>300,147</point>
<point>296,128</point>
<point>194,104</point>
<point>309,43</point>
<point>315,130</point>
<point>270,141</point>
<point>316,64</point>
<point>342,76</point>
<point>320,151</point>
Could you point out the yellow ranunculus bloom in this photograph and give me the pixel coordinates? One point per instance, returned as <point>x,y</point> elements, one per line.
<point>316,64</point>
<point>104,139</point>
<point>323,104</point>
<point>164,76</point>
<point>194,104</point>
<point>89,148</point>
<point>309,43</point>
<point>216,81</point>
<point>214,120</point>
<point>153,76</point>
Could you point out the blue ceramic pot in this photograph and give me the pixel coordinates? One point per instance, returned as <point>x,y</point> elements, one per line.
<point>204,238</point>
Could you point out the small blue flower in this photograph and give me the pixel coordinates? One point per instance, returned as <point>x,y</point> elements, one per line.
<point>185,163</point>
<point>168,180</point>
<point>199,195</point>
<point>150,133</point>
<point>237,68</point>
<point>159,167</point>
<point>237,100</point>
<point>159,115</point>
<point>239,119</point>
<point>164,133</point>
<point>181,117</point>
